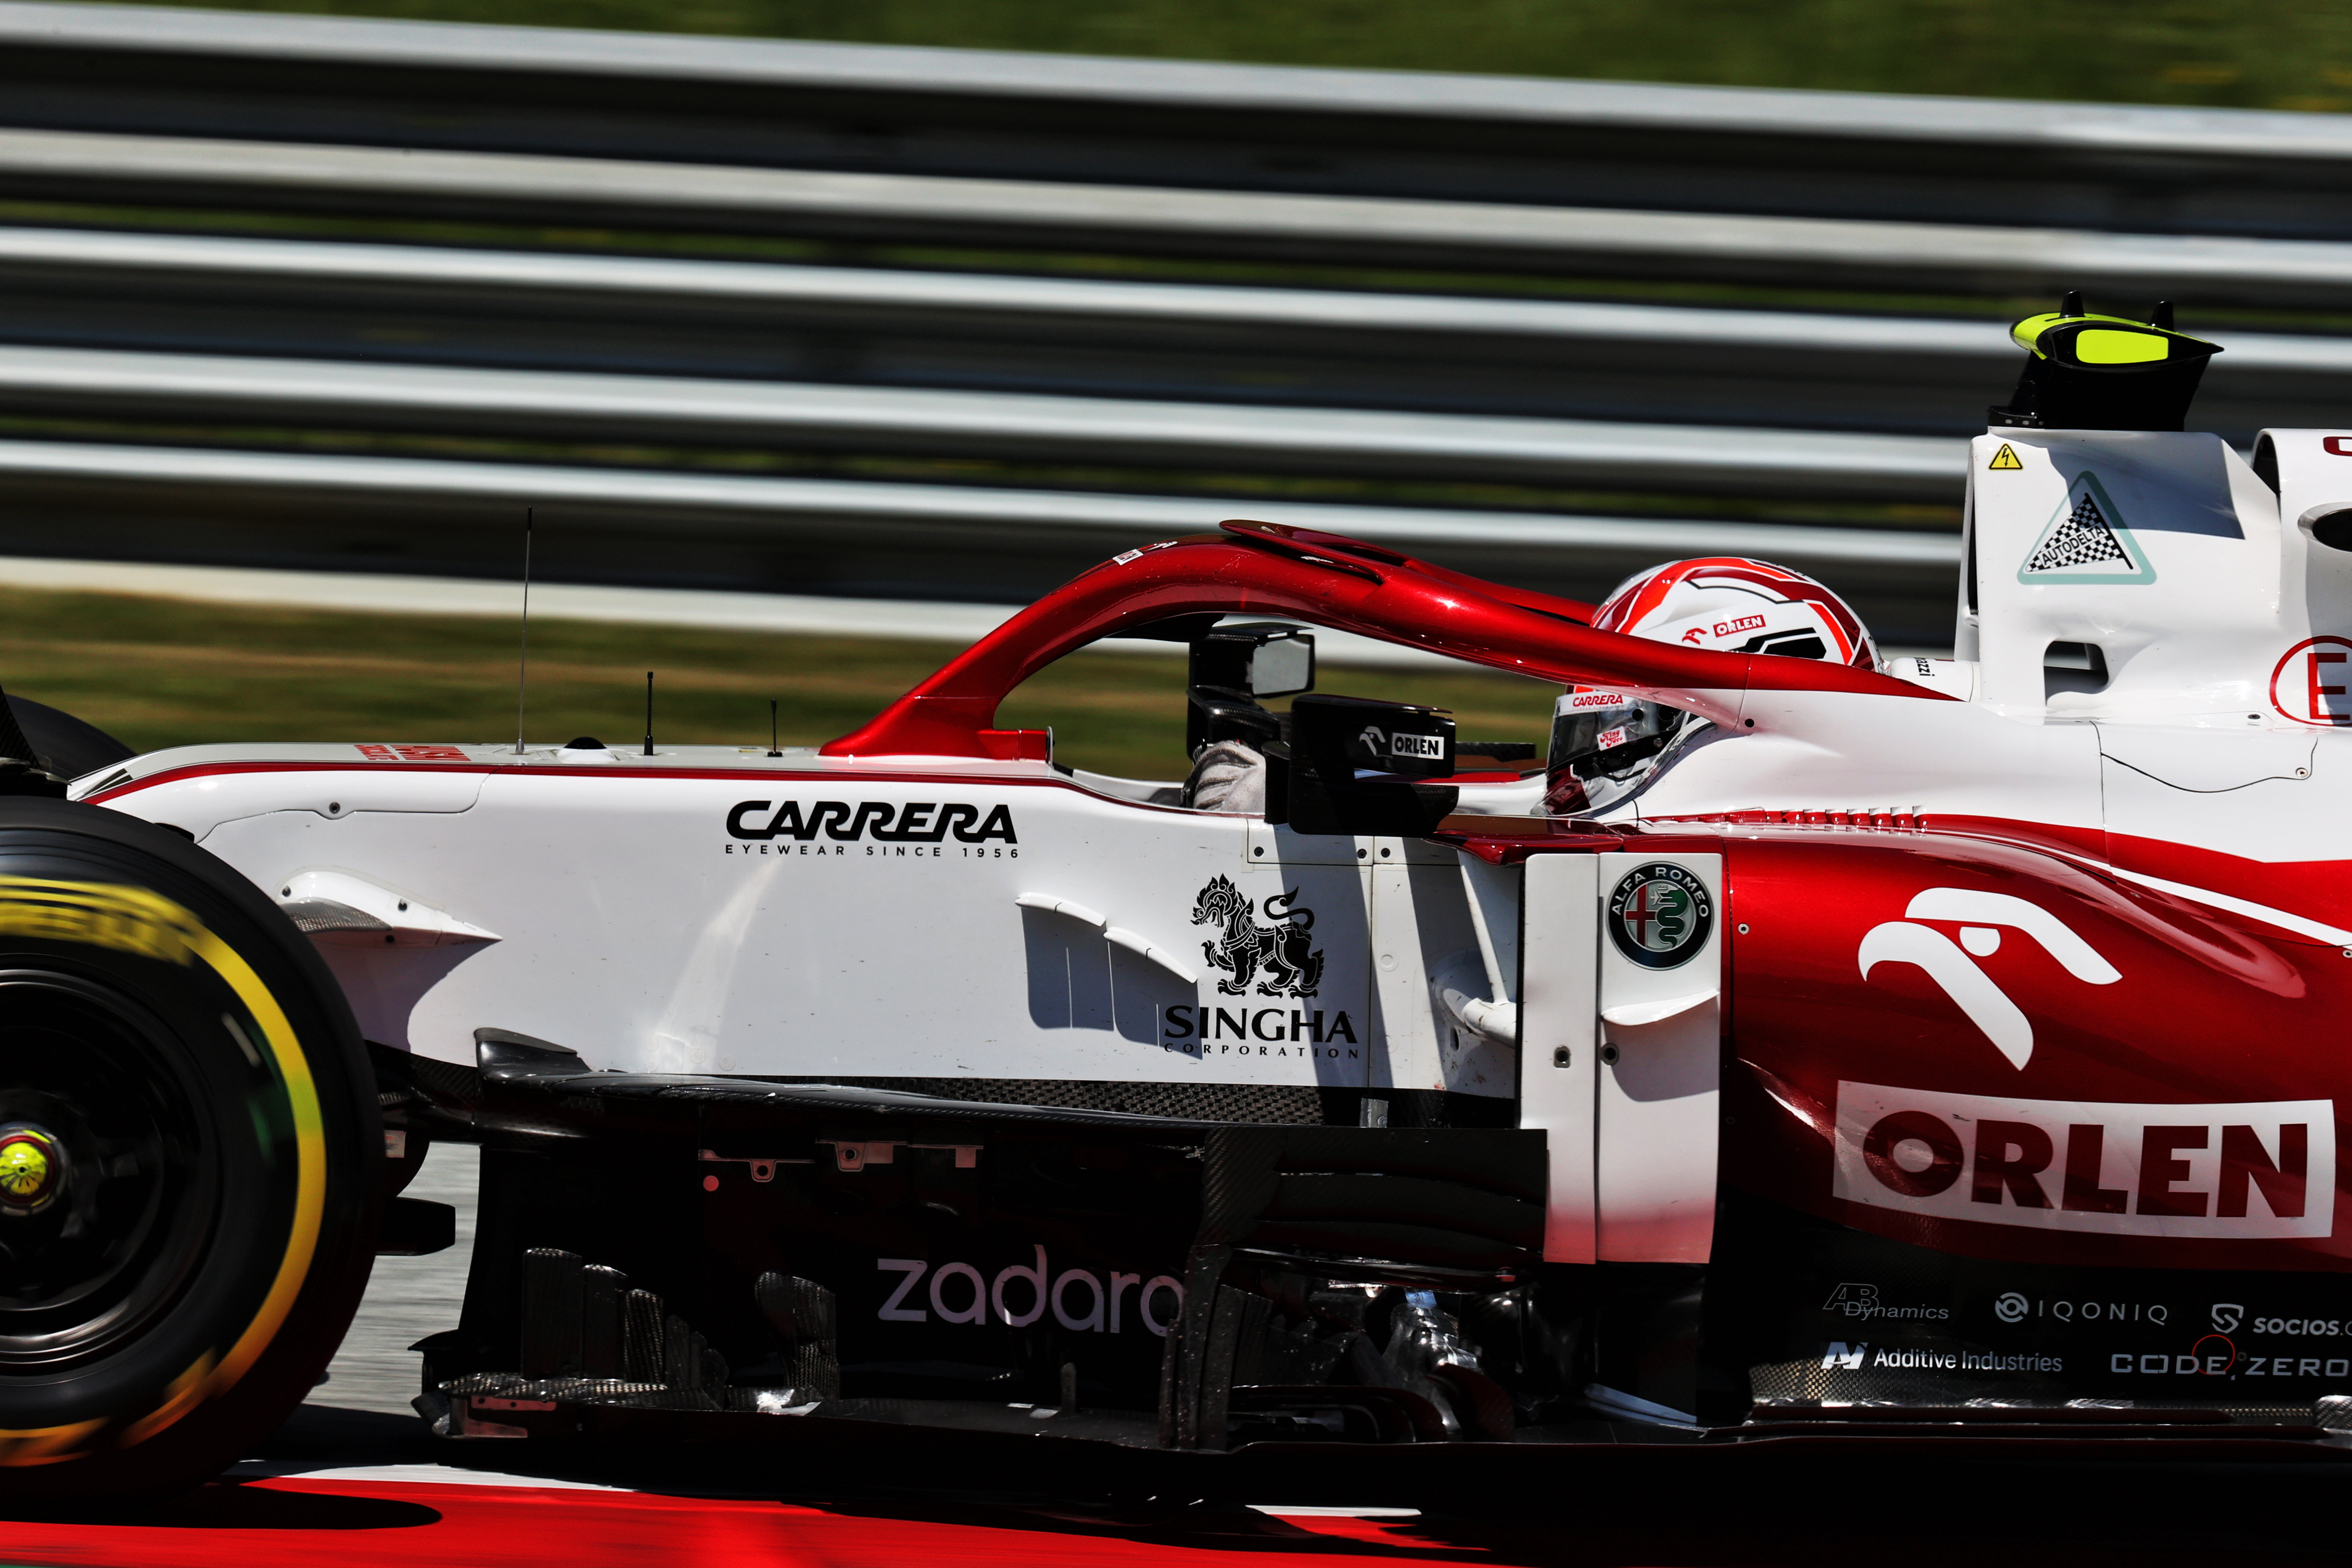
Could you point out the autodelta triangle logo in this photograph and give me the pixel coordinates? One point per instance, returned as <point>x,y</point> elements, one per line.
<point>2086,541</point>
<point>1660,915</point>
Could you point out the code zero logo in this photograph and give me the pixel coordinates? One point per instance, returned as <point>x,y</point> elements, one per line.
<point>1660,915</point>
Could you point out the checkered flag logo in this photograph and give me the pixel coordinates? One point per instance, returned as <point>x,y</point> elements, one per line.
<point>2084,539</point>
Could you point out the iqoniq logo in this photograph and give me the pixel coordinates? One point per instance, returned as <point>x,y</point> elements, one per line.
<point>1983,914</point>
<point>1294,967</point>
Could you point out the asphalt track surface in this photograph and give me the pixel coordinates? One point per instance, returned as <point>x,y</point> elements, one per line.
<point>354,1480</point>
<point>407,1298</point>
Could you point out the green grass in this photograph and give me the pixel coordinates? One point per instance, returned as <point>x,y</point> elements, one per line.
<point>2280,54</point>
<point>168,672</point>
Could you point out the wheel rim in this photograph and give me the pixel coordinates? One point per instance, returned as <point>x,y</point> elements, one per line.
<point>101,1090</point>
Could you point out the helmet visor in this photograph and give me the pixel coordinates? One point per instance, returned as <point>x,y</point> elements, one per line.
<point>1597,735</point>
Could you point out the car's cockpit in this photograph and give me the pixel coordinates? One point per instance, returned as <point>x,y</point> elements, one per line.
<point>1321,763</point>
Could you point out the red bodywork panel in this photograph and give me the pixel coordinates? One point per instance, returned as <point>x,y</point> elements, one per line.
<point>2205,1013</point>
<point>2210,1012</point>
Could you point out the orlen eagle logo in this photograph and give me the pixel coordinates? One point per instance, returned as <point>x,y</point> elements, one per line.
<point>2257,1169</point>
<point>1981,917</point>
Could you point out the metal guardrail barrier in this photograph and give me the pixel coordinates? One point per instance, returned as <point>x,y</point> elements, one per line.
<point>265,265</point>
<point>668,409</point>
<point>1179,85</point>
<point>927,511</point>
<point>127,122</point>
<point>47,271</point>
<point>1839,252</point>
<point>1177,124</point>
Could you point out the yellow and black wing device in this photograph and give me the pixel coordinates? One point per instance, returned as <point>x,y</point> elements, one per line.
<point>2085,371</point>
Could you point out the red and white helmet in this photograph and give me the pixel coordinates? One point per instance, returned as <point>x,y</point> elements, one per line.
<point>1726,604</point>
<point>1604,742</point>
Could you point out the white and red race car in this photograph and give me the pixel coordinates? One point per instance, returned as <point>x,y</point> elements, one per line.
<point>1956,1041</point>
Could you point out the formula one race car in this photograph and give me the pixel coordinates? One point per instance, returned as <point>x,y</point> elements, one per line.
<point>1816,1044</point>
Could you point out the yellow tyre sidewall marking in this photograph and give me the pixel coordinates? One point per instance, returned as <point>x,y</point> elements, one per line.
<point>135,920</point>
<point>45,1445</point>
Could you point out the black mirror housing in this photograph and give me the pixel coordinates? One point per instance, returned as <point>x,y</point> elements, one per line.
<point>1353,766</point>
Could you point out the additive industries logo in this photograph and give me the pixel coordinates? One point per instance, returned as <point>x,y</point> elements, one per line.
<point>1661,915</point>
<point>1293,965</point>
<point>2086,541</point>
<point>1841,1357</point>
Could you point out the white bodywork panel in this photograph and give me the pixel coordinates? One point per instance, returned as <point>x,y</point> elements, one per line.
<point>641,933</point>
<point>1025,927</point>
<point>1559,1041</point>
<point>1426,934</point>
<point>1812,751</point>
<point>2225,629</point>
<point>1622,1069</point>
<point>2185,602</point>
<point>1659,1086</point>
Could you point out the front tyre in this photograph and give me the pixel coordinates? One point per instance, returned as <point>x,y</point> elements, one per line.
<point>189,1146</point>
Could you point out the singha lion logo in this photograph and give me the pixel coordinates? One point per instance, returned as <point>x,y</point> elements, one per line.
<point>1294,967</point>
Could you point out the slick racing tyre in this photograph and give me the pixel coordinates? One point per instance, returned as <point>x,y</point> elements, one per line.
<point>189,1154</point>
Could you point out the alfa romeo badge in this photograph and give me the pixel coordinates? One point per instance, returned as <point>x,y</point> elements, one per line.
<point>1660,915</point>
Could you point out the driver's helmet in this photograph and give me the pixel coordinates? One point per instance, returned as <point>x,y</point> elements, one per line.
<point>1605,743</point>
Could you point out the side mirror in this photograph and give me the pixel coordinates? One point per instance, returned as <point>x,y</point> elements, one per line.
<point>1283,666</point>
<point>1264,659</point>
<point>1233,669</point>
<point>1354,766</point>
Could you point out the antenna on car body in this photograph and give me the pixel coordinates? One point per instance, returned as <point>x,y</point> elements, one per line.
<point>649,712</point>
<point>522,676</point>
<point>774,750</point>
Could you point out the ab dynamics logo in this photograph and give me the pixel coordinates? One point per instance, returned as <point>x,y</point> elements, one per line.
<point>1661,914</point>
<point>1862,1301</point>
